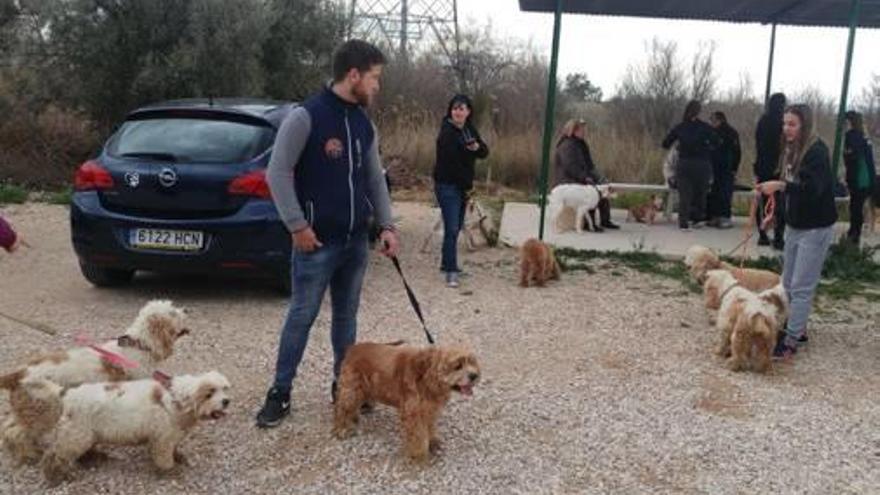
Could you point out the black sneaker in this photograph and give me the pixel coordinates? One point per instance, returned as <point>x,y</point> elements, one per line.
<point>611,225</point>
<point>803,339</point>
<point>366,407</point>
<point>763,240</point>
<point>277,406</point>
<point>778,244</point>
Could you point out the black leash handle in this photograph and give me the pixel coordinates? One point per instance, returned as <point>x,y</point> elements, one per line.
<point>412,299</point>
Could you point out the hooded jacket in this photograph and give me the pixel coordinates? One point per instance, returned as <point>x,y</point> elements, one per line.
<point>454,162</point>
<point>809,191</point>
<point>574,163</point>
<point>768,139</point>
<point>856,151</point>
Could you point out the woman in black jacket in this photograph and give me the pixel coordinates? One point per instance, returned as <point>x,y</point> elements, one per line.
<point>808,193</point>
<point>858,158</point>
<point>768,139</point>
<point>458,146</point>
<point>696,139</point>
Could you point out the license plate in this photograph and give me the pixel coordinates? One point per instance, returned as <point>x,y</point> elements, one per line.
<point>177,240</point>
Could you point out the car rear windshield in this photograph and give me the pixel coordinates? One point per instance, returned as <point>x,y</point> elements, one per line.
<point>191,140</point>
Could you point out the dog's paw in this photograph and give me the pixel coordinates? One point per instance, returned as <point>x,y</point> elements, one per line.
<point>180,458</point>
<point>93,458</point>
<point>341,433</point>
<point>435,446</point>
<point>735,365</point>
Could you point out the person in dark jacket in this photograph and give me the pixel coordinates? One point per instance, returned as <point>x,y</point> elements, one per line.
<point>725,163</point>
<point>326,178</point>
<point>574,165</point>
<point>808,192</point>
<point>858,158</point>
<point>696,140</point>
<point>768,139</point>
<point>458,146</point>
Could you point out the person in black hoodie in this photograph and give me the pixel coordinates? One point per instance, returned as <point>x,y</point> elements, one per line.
<point>696,140</point>
<point>808,192</point>
<point>725,163</point>
<point>574,165</point>
<point>458,146</point>
<point>768,139</point>
<point>858,158</point>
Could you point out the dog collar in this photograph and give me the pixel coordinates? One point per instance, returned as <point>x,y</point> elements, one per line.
<point>129,341</point>
<point>728,290</point>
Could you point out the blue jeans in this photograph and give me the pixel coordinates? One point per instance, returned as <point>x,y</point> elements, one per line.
<point>451,200</point>
<point>804,256</point>
<point>341,266</point>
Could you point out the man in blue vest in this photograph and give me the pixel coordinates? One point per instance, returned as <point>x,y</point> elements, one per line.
<point>326,180</point>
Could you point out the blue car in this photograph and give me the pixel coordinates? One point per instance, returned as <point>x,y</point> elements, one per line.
<point>180,187</point>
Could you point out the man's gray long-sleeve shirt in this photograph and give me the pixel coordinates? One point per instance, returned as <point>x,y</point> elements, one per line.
<point>290,142</point>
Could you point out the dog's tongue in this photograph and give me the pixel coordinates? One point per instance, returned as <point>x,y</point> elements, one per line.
<point>466,390</point>
<point>217,414</point>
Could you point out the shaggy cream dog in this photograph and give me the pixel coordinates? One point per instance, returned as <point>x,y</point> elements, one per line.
<point>157,413</point>
<point>755,332</point>
<point>746,321</point>
<point>416,381</point>
<point>148,341</point>
<point>700,260</point>
<point>582,198</point>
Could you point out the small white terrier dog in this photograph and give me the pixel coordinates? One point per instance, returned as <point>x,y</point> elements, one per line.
<point>582,198</point>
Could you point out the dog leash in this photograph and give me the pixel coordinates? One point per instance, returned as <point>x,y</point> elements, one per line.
<point>769,214</point>
<point>412,299</point>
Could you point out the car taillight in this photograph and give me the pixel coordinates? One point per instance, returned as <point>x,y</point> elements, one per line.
<point>92,176</point>
<point>250,184</point>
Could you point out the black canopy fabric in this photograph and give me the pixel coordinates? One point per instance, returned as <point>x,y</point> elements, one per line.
<point>831,13</point>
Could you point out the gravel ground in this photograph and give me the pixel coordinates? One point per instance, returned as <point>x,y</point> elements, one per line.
<point>596,384</point>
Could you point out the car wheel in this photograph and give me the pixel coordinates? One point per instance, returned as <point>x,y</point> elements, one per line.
<point>105,277</point>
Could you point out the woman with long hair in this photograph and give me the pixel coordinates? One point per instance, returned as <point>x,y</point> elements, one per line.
<point>458,146</point>
<point>574,165</point>
<point>807,185</point>
<point>696,140</point>
<point>858,158</point>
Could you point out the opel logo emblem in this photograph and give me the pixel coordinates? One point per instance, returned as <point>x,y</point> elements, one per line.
<point>132,179</point>
<point>167,177</point>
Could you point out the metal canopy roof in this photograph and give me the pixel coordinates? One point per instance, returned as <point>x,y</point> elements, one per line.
<point>831,13</point>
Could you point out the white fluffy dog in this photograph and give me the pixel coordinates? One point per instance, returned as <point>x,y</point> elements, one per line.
<point>746,320</point>
<point>148,341</point>
<point>582,198</point>
<point>130,413</point>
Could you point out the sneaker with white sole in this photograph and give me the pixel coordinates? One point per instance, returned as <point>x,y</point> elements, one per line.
<point>452,279</point>
<point>277,406</point>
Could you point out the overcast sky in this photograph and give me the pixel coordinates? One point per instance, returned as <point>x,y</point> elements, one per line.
<point>603,47</point>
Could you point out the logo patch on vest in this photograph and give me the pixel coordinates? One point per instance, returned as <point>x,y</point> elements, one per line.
<point>333,148</point>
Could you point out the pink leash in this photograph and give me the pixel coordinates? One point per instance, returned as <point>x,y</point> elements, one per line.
<point>111,357</point>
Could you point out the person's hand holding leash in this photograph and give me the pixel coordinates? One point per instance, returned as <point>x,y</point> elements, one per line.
<point>390,243</point>
<point>305,240</point>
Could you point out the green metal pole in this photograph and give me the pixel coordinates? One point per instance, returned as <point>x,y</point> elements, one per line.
<point>548,114</point>
<point>770,64</point>
<point>838,134</point>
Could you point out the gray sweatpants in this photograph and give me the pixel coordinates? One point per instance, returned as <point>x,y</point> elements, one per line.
<point>804,256</point>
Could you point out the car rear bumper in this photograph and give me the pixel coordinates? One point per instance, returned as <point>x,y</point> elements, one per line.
<point>252,240</point>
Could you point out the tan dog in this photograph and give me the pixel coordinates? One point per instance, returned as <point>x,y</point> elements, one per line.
<point>746,321</point>
<point>129,413</point>
<point>416,381</point>
<point>700,260</point>
<point>478,229</point>
<point>537,262</point>
<point>645,212</point>
<point>148,341</point>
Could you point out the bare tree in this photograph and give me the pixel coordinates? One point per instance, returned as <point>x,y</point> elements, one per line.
<point>703,77</point>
